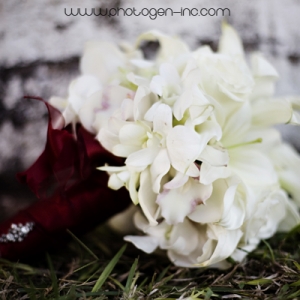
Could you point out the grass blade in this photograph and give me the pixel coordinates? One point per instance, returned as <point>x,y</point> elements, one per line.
<point>270,249</point>
<point>260,281</point>
<point>130,276</point>
<point>82,244</point>
<point>53,276</point>
<point>108,269</point>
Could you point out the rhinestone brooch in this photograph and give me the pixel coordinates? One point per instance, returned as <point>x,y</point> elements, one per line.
<point>17,232</point>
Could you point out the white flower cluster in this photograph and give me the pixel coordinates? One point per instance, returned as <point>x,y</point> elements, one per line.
<point>204,164</point>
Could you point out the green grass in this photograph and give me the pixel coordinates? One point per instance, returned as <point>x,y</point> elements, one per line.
<point>101,266</point>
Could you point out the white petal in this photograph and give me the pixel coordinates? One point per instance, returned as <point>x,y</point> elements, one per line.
<point>295,120</point>
<point>58,102</point>
<point>207,131</point>
<point>112,169</point>
<point>236,125</point>
<point>127,109</point>
<point>193,171</point>
<point>143,100</point>
<point>146,243</point>
<point>270,212</point>
<point>169,72</point>
<point>174,206</point>
<point>209,173</point>
<point>81,88</point>
<point>252,166</point>
<point>230,43</point>
<point>214,155</point>
<point>133,186</point>
<point>289,180</point>
<point>295,102</point>
<point>227,241</point>
<point>287,164</point>
<point>183,102</point>
<point>124,150</point>
<point>156,85</point>
<point>114,99</point>
<point>137,80</point>
<point>101,59</point>
<point>184,146</point>
<point>87,112</point>
<point>270,138</point>
<point>191,259</point>
<point>200,114</point>
<point>147,197</point>
<point>122,222</point>
<point>261,67</point>
<point>183,238</point>
<point>275,111</point>
<point>107,139</point>
<point>116,181</point>
<point>142,63</point>
<point>234,207</point>
<point>170,47</point>
<point>212,210</point>
<point>162,121</point>
<point>69,115</point>
<point>292,217</point>
<point>190,233</point>
<point>132,134</point>
<point>115,122</point>
<point>142,158</point>
<point>149,116</point>
<point>179,180</point>
<point>159,167</point>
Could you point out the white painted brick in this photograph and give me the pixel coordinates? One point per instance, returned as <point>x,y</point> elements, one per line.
<point>38,32</point>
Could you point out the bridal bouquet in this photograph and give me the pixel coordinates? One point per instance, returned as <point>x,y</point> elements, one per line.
<point>207,174</point>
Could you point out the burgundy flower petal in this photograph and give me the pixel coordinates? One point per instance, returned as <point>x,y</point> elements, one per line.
<point>73,193</point>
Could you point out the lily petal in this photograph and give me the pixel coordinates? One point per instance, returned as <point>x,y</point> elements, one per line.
<point>252,166</point>
<point>275,111</point>
<point>230,43</point>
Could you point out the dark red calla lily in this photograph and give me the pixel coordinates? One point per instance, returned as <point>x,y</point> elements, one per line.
<point>72,193</point>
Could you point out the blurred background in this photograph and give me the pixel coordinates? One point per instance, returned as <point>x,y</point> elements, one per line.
<point>40,47</point>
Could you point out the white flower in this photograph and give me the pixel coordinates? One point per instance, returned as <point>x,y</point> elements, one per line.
<point>205,169</point>
<point>225,76</point>
<point>272,211</point>
<point>98,92</point>
<point>287,164</point>
<point>176,204</point>
<point>226,206</point>
<point>197,141</point>
<point>172,49</point>
<point>188,244</point>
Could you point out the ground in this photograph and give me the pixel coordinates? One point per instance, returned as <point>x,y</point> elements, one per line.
<point>101,266</point>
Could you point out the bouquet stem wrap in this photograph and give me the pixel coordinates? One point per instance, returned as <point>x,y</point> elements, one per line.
<point>72,193</point>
